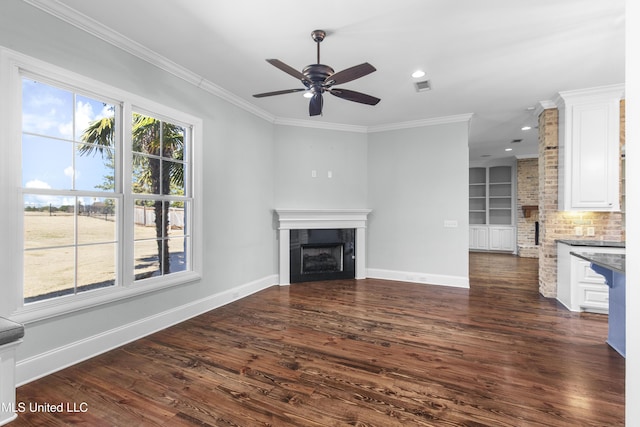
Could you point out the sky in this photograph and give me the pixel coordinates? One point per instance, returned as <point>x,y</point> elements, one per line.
<point>49,157</point>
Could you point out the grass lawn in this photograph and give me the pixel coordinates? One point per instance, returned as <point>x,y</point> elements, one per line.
<point>50,254</point>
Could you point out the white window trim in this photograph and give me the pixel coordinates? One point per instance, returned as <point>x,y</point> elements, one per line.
<point>11,250</point>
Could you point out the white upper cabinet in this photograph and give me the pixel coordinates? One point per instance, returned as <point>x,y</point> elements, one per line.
<point>589,149</point>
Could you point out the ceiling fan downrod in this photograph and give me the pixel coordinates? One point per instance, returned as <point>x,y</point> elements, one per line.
<point>318,36</point>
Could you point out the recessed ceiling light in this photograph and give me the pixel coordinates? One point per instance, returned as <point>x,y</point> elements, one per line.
<point>417,74</point>
<point>508,149</point>
<point>526,127</point>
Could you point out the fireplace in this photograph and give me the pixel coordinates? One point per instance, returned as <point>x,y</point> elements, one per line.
<point>322,254</point>
<point>333,241</point>
<point>325,258</point>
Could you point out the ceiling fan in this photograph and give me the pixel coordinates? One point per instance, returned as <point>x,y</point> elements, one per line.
<point>319,78</point>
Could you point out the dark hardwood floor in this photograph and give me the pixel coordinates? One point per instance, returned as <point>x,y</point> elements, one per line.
<point>359,353</point>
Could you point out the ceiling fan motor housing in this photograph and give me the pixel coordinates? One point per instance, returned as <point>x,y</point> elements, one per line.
<point>318,74</point>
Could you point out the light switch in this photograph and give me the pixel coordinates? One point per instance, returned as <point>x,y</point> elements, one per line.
<point>314,173</point>
<point>450,223</point>
<point>329,174</point>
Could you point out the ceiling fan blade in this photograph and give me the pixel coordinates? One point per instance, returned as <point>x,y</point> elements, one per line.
<point>352,95</point>
<point>288,69</point>
<point>315,104</point>
<point>349,74</point>
<point>278,92</point>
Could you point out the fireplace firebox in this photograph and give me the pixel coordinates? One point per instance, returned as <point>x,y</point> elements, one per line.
<point>322,254</point>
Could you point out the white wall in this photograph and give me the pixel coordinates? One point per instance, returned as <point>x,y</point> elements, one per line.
<point>418,179</point>
<point>299,151</point>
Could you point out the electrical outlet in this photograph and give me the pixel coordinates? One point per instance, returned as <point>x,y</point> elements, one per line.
<point>591,231</point>
<point>578,231</point>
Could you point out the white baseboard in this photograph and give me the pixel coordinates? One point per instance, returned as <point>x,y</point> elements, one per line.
<point>413,277</point>
<point>54,360</point>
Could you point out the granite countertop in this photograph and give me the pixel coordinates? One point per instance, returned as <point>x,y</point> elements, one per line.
<point>613,262</point>
<point>593,243</point>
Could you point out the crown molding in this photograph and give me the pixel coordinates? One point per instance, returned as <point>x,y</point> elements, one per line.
<point>544,105</point>
<point>108,35</point>
<point>604,92</point>
<point>526,156</point>
<point>420,123</point>
<point>319,125</point>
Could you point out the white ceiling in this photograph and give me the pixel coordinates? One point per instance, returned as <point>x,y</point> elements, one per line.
<point>492,58</point>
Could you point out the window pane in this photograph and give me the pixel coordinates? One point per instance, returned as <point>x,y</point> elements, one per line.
<point>46,110</point>
<point>48,273</point>
<point>147,261</point>
<point>97,220</point>
<point>146,175</point>
<point>172,141</point>
<point>94,168</point>
<point>96,266</point>
<point>94,121</point>
<point>46,163</point>
<point>175,178</point>
<point>145,135</point>
<point>48,221</point>
<point>176,221</point>
<point>145,214</point>
<point>177,251</point>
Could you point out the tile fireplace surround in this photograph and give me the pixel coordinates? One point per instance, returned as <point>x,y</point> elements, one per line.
<point>309,219</point>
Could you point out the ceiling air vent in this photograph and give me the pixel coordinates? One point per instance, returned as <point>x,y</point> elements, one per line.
<point>423,86</point>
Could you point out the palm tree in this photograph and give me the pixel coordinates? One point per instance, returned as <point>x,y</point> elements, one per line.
<point>156,146</point>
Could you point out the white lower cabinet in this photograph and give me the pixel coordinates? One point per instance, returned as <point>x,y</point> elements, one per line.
<point>501,239</point>
<point>491,238</point>
<point>579,287</point>
<point>478,237</point>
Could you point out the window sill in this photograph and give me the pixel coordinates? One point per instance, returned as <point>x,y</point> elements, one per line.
<point>43,310</point>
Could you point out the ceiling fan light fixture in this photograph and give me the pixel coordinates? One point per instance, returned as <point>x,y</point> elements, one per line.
<point>308,94</point>
<point>417,74</point>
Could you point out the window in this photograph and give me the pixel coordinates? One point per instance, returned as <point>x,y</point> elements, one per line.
<point>160,203</point>
<point>107,183</point>
<point>71,209</point>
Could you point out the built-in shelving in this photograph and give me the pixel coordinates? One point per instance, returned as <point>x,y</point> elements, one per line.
<point>490,196</point>
<point>491,208</point>
<point>477,196</point>
<point>500,201</point>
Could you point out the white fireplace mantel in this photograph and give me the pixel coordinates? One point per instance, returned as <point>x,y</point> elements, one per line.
<point>302,219</point>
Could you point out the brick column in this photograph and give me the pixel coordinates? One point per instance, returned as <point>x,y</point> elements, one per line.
<point>547,199</point>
